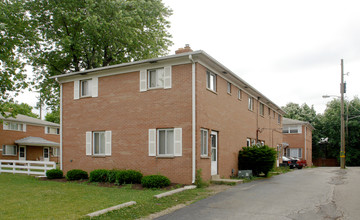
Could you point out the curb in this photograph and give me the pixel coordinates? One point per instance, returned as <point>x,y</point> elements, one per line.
<point>174,191</point>
<point>103,211</point>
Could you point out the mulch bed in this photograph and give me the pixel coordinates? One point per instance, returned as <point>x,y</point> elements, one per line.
<point>106,184</point>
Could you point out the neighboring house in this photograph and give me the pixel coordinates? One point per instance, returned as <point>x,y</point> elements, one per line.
<point>171,115</point>
<point>298,136</point>
<point>27,138</point>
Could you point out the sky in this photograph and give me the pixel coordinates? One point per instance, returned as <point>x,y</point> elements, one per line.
<point>288,50</point>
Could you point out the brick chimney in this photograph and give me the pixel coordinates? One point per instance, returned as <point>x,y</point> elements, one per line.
<point>186,49</point>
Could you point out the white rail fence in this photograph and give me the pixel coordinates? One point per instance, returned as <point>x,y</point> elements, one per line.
<point>26,167</point>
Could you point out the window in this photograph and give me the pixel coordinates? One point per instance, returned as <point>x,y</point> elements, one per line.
<point>9,150</point>
<point>14,126</point>
<point>279,119</point>
<point>273,114</point>
<point>261,109</point>
<point>239,94</point>
<point>262,143</point>
<point>204,142</point>
<point>56,151</point>
<point>99,143</point>
<point>229,88</point>
<point>251,103</point>
<point>165,141</point>
<point>295,129</point>
<point>156,78</point>
<point>294,152</point>
<point>52,130</point>
<point>253,142</point>
<point>248,142</point>
<point>269,111</point>
<point>85,88</point>
<point>211,81</point>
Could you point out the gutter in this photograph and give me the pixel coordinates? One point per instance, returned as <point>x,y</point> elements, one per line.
<point>193,119</point>
<point>61,127</point>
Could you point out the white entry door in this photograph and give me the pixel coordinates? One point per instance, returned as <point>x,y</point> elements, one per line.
<point>46,154</point>
<point>22,152</point>
<point>214,153</point>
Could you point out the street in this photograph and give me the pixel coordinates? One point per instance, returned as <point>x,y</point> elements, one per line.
<point>314,193</point>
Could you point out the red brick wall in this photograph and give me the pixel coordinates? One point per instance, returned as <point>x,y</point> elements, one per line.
<point>129,114</point>
<point>229,116</point>
<point>298,141</point>
<point>8,137</point>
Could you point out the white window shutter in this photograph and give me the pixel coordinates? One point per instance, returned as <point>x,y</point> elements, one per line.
<point>88,142</point>
<point>178,142</point>
<point>108,143</point>
<point>152,142</point>
<point>94,87</point>
<point>143,80</point>
<point>24,127</point>
<point>76,89</point>
<point>167,77</point>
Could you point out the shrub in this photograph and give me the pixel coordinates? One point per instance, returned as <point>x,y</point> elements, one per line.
<point>112,176</point>
<point>99,175</point>
<point>199,182</point>
<point>76,174</point>
<point>155,181</point>
<point>54,174</point>
<point>257,158</point>
<point>128,176</point>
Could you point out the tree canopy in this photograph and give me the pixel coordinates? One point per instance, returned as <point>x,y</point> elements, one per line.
<point>17,108</point>
<point>67,36</point>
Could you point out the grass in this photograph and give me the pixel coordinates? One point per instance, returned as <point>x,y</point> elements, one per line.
<point>24,197</point>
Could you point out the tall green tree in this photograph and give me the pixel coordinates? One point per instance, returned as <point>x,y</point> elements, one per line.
<point>53,116</point>
<point>16,34</point>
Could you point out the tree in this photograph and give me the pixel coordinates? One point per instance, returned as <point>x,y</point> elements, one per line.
<point>53,116</point>
<point>22,108</point>
<point>15,35</point>
<point>302,113</point>
<point>79,35</point>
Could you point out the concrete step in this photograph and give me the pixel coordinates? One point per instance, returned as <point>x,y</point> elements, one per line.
<point>215,177</point>
<point>236,181</point>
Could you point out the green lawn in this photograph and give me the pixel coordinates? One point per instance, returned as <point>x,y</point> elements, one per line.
<point>24,197</point>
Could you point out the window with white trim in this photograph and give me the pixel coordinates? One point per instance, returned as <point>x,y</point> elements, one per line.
<point>98,143</point>
<point>211,81</point>
<point>52,130</point>
<point>9,150</point>
<point>204,134</point>
<point>261,109</point>
<point>165,142</point>
<point>13,126</point>
<point>239,94</point>
<point>85,88</point>
<point>56,151</point>
<point>156,78</point>
<point>248,142</point>
<point>228,87</point>
<point>292,129</point>
<point>251,103</point>
<point>294,152</point>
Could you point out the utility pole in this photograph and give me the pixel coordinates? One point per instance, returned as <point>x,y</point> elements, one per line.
<point>342,132</point>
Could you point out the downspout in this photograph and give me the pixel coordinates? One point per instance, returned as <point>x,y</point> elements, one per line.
<point>61,129</point>
<point>193,119</point>
<point>305,141</point>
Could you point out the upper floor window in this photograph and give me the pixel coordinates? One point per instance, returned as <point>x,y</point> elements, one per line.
<point>279,119</point>
<point>295,129</point>
<point>14,126</point>
<point>85,88</point>
<point>261,109</point>
<point>52,130</point>
<point>9,150</point>
<point>211,81</point>
<point>269,111</point>
<point>239,94</point>
<point>251,103</point>
<point>229,88</point>
<point>156,78</point>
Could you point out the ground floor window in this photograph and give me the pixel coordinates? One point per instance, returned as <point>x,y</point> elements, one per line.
<point>56,151</point>
<point>204,142</point>
<point>9,150</point>
<point>165,141</point>
<point>294,152</point>
<point>98,143</point>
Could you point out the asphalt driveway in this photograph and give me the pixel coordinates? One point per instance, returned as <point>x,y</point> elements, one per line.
<point>314,193</point>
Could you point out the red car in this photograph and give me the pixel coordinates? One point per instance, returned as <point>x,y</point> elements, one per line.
<point>294,162</point>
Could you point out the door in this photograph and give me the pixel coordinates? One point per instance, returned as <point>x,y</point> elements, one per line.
<point>22,152</point>
<point>214,153</point>
<point>46,154</point>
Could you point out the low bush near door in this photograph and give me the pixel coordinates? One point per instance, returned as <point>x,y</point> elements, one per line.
<point>259,159</point>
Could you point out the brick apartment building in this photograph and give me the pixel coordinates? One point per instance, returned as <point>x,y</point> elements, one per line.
<point>27,138</point>
<point>170,115</point>
<point>298,137</point>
